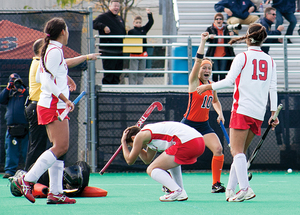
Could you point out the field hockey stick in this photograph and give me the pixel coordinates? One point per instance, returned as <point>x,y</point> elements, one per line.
<point>254,153</point>
<point>67,110</point>
<point>225,133</point>
<point>139,123</point>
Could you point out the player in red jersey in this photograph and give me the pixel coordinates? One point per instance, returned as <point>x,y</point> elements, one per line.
<point>197,113</point>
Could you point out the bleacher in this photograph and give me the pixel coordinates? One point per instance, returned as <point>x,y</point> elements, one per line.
<point>196,15</point>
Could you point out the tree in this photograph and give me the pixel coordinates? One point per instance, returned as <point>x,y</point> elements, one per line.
<point>101,5</point>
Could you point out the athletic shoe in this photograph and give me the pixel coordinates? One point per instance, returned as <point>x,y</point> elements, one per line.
<point>229,193</point>
<point>242,195</point>
<point>166,190</point>
<point>218,188</point>
<point>7,175</point>
<point>59,199</point>
<point>177,195</point>
<point>26,188</point>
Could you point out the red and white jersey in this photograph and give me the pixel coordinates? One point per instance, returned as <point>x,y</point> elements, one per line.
<point>254,75</point>
<point>166,134</point>
<point>53,85</point>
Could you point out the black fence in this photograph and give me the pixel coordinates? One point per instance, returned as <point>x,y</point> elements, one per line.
<point>116,111</point>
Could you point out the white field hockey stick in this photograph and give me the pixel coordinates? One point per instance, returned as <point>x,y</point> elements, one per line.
<point>254,153</point>
<point>139,123</point>
<point>67,110</point>
<point>225,133</point>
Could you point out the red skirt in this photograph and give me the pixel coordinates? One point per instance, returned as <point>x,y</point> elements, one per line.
<point>48,115</point>
<point>188,152</point>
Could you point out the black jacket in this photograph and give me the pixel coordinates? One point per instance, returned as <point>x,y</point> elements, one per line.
<point>117,27</point>
<point>267,24</point>
<point>211,50</point>
<point>143,30</point>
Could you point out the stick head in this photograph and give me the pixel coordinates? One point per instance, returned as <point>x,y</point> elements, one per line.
<point>158,105</point>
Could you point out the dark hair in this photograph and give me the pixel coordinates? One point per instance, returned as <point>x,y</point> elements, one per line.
<point>256,34</point>
<point>268,9</point>
<point>52,30</point>
<point>133,130</point>
<point>137,17</point>
<point>37,45</point>
<point>112,1</point>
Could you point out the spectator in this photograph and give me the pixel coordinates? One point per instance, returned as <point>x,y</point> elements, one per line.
<point>37,133</point>
<point>16,137</point>
<point>220,29</point>
<point>267,21</point>
<point>110,23</point>
<point>139,64</point>
<point>286,9</point>
<point>238,12</point>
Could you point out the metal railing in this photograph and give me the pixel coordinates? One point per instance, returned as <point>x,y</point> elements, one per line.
<point>282,60</point>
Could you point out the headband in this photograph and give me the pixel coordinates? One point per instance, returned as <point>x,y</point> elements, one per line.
<point>205,62</point>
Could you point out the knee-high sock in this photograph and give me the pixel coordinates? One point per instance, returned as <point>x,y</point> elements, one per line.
<point>240,163</point>
<point>45,161</point>
<point>232,181</point>
<point>216,168</point>
<point>161,176</point>
<point>56,177</point>
<point>177,175</point>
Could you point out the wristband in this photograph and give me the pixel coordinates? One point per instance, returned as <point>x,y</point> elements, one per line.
<point>200,56</point>
<point>87,57</point>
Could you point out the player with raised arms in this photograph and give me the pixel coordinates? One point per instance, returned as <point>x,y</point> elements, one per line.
<point>254,74</point>
<point>180,145</point>
<point>197,113</point>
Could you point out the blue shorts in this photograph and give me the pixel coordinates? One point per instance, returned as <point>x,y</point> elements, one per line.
<point>202,127</point>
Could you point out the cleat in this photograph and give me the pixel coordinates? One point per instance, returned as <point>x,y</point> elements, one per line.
<point>229,193</point>
<point>59,199</point>
<point>242,195</point>
<point>218,188</point>
<point>177,195</point>
<point>166,190</point>
<point>25,188</point>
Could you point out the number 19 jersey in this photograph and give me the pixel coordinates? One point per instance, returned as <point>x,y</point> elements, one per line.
<point>254,75</point>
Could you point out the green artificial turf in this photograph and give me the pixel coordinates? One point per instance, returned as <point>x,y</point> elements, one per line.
<point>137,193</point>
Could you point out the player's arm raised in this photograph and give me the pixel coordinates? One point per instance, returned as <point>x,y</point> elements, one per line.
<point>193,77</point>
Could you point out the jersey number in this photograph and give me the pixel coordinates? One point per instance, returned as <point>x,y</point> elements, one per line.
<point>207,102</point>
<point>263,70</point>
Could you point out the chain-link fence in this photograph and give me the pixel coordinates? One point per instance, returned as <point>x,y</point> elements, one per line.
<point>19,30</point>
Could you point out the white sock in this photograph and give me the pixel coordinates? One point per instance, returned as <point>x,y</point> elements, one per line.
<point>46,160</point>
<point>177,175</point>
<point>233,180</point>
<point>240,163</point>
<point>161,176</point>
<point>56,177</point>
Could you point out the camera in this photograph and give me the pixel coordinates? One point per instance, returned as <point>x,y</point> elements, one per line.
<point>18,83</point>
<point>237,26</point>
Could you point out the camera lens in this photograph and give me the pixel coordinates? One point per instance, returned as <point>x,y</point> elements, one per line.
<point>18,83</point>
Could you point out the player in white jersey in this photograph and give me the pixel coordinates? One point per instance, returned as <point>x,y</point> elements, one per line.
<point>180,144</point>
<point>254,75</point>
<point>55,86</point>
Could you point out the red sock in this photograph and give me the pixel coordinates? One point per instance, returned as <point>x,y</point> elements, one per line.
<point>216,168</point>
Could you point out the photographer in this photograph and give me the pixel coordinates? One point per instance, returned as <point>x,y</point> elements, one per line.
<point>16,137</point>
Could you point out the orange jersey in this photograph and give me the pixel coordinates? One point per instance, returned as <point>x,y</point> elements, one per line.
<point>198,106</point>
